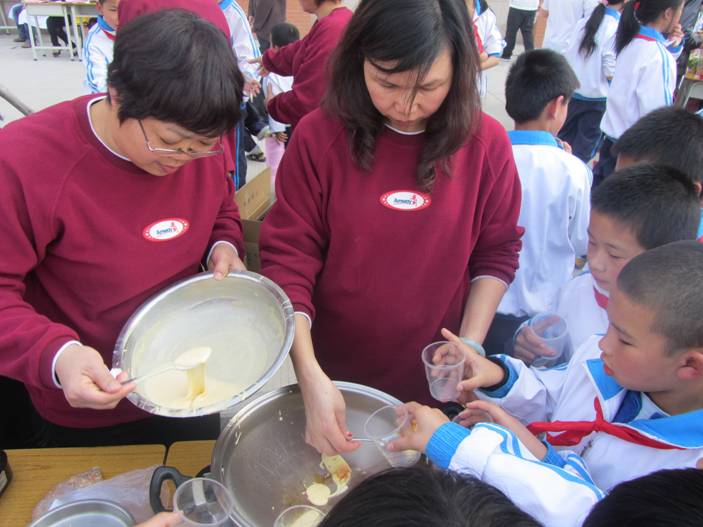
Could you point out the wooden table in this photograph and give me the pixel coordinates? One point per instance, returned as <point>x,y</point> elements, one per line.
<point>190,456</point>
<point>76,9</point>
<point>37,471</point>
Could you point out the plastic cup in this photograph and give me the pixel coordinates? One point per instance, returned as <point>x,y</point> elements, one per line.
<point>444,368</point>
<point>384,426</point>
<point>203,502</point>
<point>299,516</point>
<point>552,331</point>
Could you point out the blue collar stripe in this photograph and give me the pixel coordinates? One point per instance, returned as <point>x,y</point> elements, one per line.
<point>683,430</point>
<point>224,4</point>
<point>104,25</point>
<point>652,33</point>
<point>612,12</point>
<point>532,137</point>
<point>606,385</point>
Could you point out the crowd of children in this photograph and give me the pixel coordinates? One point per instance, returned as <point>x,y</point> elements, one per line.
<point>614,425</point>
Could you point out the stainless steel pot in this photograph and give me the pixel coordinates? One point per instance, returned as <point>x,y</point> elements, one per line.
<point>86,513</point>
<point>245,318</point>
<point>262,457</point>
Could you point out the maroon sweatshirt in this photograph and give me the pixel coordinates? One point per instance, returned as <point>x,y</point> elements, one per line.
<point>86,238</point>
<point>306,60</point>
<point>379,265</point>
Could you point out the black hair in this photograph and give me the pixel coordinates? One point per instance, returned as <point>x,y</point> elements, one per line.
<point>666,498</point>
<point>425,497</point>
<point>667,136</point>
<point>667,281</point>
<point>588,42</point>
<point>176,67</point>
<point>640,12</point>
<point>284,34</point>
<point>657,204</point>
<point>411,34</point>
<point>538,77</point>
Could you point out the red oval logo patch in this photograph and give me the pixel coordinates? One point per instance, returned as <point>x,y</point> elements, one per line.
<point>406,200</point>
<point>166,229</point>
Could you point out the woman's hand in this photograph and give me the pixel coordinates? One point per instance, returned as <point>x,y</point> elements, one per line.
<point>86,381</point>
<point>326,416</point>
<point>163,519</point>
<point>476,412</point>
<point>223,260</point>
<point>479,372</point>
<point>423,423</point>
<point>528,346</point>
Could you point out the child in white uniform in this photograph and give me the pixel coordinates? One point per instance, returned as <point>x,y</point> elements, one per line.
<point>98,46</point>
<point>562,18</point>
<point>629,403</point>
<point>637,209</point>
<point>645,71</point>
<point>592,57</point>
<point>555,191</point>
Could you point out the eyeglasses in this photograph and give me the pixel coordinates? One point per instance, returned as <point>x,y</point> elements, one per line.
<point>194,154</point>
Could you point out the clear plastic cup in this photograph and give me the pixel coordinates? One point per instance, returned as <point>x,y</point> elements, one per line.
<point>203,502</point>
<point>444,368</point>
<point>553,332</point>
<point>384,426</point>
<point>299,516</point>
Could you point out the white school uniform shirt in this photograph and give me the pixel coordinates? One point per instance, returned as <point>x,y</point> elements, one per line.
<point>563,16</point>
<point>557,491</point>
<point>279,84</point>
<point>569,392</point>
<point>555,210</point>
<point>492,40</point>
<point>583,305</point>
<point>644,80</point>
<point>244,44</point>
<point>98,48</point>
<point>593,71</point>
<point>524,5</point>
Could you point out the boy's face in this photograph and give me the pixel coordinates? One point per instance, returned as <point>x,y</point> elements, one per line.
<point>634,355</point>
<point>108,10</point>
<point>610,246</point>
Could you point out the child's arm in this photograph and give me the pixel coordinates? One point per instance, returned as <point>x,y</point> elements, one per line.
<point>579,206</point>
<point>528,394</point>
<point>96,64</point>
<point>493,43</point>
<point>557,491</point>
<point>245,46</point>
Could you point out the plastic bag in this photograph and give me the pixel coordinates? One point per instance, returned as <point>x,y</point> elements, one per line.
<point>130,490</point>
<point>79,481</point>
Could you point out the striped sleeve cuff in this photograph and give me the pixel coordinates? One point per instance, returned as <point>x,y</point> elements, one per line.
<point>444,442</point>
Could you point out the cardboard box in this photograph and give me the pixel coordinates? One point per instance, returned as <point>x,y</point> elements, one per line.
<point>254,200</point>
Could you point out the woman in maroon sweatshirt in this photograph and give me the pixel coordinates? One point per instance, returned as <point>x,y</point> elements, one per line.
<point>306,60</point>
<point>106,201</point>
<point>396,210</point>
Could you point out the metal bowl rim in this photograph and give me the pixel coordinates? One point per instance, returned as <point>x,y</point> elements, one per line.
<point>85,506</point>
<point>217,467</point>
<point>269,286</point>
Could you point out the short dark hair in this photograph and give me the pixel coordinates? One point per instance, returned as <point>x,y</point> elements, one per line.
<point>425,497</point>
<point>174,66</point>
<point>284,34</point>
<point>666,498</point>
<point>668,281</point>
<point>658,204</point>
<point>537,77</point>
<point>667,136</point>
<point>411,33</point>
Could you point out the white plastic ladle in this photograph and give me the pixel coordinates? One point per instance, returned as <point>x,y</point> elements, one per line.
<point>187,360</point>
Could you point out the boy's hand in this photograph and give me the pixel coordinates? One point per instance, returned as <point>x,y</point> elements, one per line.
<point>479,372</point>
<point>528,346</point>
<point>263,72</point>
<point>251,87</point>
<point>424,421</point>
<point>281,137</point>
<point>477,411</point>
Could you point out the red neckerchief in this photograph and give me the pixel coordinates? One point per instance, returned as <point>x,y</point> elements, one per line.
<point>477,36</point>
<point>601,299</point>
<point>574,431</point>
<point>111,36</point>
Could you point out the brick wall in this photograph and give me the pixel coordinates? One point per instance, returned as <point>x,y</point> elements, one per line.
<point>294,14</point>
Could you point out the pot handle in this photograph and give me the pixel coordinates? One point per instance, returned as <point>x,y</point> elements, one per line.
<point>161,475</point>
